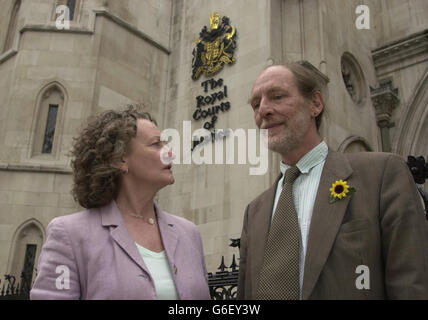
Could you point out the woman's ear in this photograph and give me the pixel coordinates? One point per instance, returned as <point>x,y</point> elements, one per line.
<point>122,165</point>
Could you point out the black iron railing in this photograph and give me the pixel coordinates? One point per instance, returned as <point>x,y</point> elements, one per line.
<point>10,289</point>
<point>223,284</point>
<point>419,169</point>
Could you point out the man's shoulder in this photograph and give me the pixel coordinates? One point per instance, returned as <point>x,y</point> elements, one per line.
<point>371,168</point>
<point>370,156</point>
<point>373,159</point>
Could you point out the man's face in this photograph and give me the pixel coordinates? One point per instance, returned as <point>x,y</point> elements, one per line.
<point>279,107</point>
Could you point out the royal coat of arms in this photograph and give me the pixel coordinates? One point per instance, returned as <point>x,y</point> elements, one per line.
<point>215,47</point>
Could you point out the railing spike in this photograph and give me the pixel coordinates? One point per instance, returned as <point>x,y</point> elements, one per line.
<point>222,265</point>
<point>233,266</point>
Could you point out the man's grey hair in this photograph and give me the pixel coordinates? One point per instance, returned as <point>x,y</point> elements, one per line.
<point>308,81</point>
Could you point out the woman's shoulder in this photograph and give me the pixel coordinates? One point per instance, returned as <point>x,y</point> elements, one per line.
<point>177,220</point>
<point>76,222</point>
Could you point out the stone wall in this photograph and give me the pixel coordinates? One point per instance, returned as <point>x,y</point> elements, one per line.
<point>102,62</point>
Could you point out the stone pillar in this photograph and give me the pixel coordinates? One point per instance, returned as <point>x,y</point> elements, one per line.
<point>385,100</point>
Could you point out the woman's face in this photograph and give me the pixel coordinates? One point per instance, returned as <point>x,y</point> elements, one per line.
<point>144,162</point>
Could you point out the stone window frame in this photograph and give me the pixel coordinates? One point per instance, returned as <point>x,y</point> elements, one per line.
<point>358,79</point>
<point>43,102</point>
<point>16,256</point>
<point>12,26</point>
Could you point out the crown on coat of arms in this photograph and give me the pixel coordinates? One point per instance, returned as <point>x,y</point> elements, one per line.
<point>215,47</point>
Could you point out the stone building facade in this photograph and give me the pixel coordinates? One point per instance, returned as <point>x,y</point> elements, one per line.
<point>116,52</point>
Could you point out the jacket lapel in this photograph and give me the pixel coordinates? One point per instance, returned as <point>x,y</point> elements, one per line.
<point>111,217</point>
<point>169,237</point>
<point>260,226</point>
<point>326,220</point>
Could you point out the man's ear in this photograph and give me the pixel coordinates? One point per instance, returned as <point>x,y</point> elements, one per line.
<point>317,103</point>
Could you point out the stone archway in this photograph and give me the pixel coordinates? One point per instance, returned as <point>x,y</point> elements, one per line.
<point>412,133</point>
<point>354,144</point>
<point>26,246</point>
<point>48,121</point>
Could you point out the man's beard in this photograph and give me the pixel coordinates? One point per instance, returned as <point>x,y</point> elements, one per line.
<point>292,137</point>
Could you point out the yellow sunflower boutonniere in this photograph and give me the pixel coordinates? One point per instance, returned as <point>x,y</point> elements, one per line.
<point>340,190</point>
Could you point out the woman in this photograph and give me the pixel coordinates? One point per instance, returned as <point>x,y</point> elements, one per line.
<point>123,246</point>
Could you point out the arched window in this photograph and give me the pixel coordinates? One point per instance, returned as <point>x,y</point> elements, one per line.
<point>26,246</point>
<point>47,128</point>
<point>13,24</point>
<point>71,4</point>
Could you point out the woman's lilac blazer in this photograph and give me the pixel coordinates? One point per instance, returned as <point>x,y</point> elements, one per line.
<point>91,255</point>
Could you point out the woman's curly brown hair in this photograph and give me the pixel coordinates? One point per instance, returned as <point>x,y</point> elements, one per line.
<point>96,150</point>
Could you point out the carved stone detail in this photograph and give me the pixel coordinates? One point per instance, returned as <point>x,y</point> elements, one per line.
<point>409,46</point>
<point>353,78</point>
<point>385,100</point>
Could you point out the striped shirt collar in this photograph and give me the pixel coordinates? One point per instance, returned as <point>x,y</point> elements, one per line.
<point>309,160</point>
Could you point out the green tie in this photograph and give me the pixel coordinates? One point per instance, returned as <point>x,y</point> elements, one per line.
<point>279,275</point>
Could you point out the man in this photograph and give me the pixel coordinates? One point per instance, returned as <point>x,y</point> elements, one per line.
<point>341,226</point>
